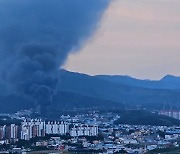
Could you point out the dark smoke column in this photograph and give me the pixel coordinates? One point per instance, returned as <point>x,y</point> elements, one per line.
<point>35,38</point>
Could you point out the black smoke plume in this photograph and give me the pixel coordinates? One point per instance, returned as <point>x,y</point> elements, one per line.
<point>35,38</point>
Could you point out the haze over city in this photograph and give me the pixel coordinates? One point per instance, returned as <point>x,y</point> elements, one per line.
<point>137,38</point>
<point>57,91</point>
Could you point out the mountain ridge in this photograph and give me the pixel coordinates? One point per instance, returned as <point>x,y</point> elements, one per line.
<point>76,90</point>
<point>97,87</point>
<point>167,82</point>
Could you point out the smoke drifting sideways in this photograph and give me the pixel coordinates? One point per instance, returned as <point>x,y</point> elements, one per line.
<point>35,38</point>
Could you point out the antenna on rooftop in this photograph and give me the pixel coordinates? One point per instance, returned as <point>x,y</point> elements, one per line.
<point>177,103</point>
<point>171,106</point>
<point>164,105</point>
<point>125,105</point>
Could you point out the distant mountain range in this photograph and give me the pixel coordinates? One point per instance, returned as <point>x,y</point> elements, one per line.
<point>167,82</point>
<point>124,89</point>
<point>76,90</point>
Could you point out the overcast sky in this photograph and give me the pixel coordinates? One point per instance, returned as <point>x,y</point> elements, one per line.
<point>140,38</point>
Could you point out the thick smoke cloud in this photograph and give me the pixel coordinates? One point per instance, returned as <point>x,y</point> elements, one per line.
<point>35,38</point>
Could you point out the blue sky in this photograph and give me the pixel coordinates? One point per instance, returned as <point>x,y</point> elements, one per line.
<point>140,38</point>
